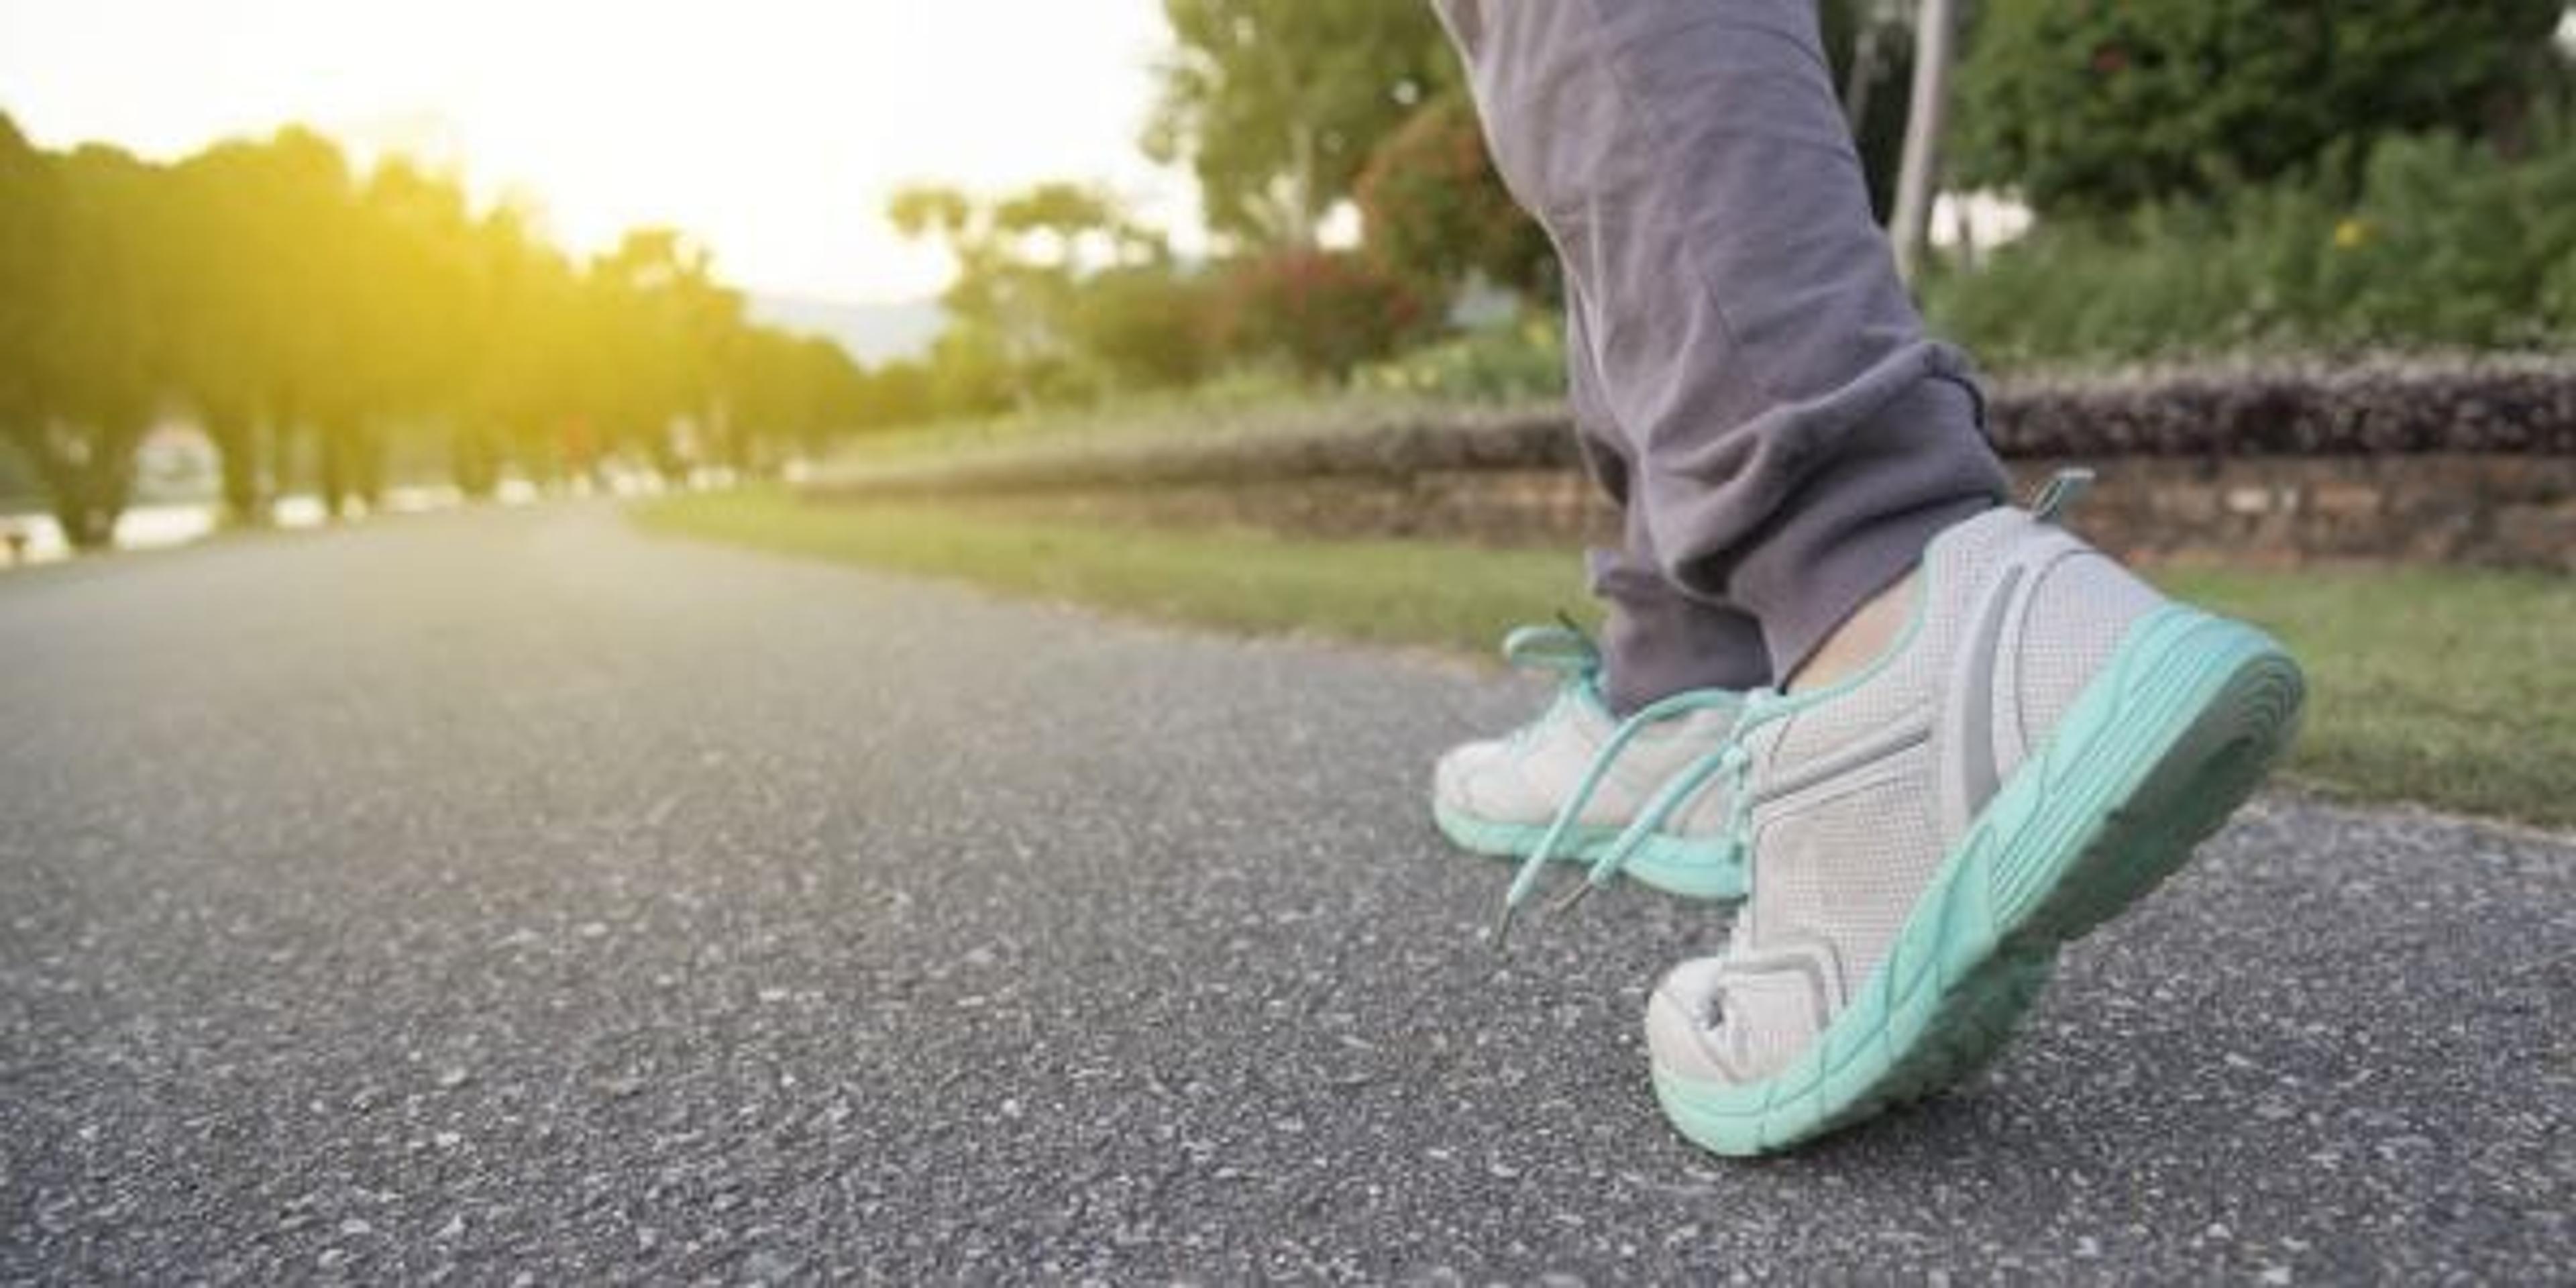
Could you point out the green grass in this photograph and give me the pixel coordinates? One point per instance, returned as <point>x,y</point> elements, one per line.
<point>2449,686</point>
<point>2442,686</point>
<point>1385,592</point>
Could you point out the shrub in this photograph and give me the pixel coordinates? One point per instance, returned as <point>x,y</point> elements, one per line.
<point>1147,325</point>
<point>2096,105</point>
<point>1522,362</point>
<point>1434,208</point>
<point>1324,312</point>
<point>2443,245</point>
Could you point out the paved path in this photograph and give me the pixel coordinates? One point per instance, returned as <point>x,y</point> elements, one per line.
<point>488,893</point>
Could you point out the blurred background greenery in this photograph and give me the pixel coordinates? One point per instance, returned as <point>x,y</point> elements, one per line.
<point>2145,179</point>
<point>333,327</point>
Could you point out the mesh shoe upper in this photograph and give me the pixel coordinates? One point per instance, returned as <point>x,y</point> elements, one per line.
<point>1856,793</point>
<point>1525,777</point>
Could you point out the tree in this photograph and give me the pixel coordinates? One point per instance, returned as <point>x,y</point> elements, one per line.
<point>97,338</point>
<point>661,328</point>
<point>1871,46</point>
<point>1927,113</point>
<point>785,393</point>
<point>1325,312</point>
<point>279,297</point>
<point>29,217</point>
<point>1276,104</point>
<point>258,320</point>
<point>893,393</point>
<point>2098,106</point>
<point>971,374</point>
<point>1433,208</point>
<point>409,325</point>
<point>1145,325</point>
<point>533,367</point>
<point>1019,300</point>
<point>229,353</point>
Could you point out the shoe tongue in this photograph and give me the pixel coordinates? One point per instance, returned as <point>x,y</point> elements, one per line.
<point>2060,493</point>
<point>1586,690</point>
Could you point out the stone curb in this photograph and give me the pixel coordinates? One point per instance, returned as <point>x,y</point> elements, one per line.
<point>2520,405</point>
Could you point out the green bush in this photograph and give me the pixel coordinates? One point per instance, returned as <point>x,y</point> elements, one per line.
<point>2442,246</point>
<point>1149,326</point>
<point>1323,312</point>
<point>1435,210</point>
<point>2092,105</point>
<point>1521,362</point>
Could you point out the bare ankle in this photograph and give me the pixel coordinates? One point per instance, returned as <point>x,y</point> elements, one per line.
<point>1862,638</point>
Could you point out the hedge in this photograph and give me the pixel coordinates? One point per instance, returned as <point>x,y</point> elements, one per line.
<point>2522,404</point>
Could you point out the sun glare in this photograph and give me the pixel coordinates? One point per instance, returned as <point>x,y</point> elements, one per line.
<point>772,131</point>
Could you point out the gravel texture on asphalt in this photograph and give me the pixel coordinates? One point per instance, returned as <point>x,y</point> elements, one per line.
<point>509,892</point>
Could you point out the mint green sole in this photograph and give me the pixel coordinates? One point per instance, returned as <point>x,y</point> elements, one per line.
<point>2176,733</point>
<point>1667,863</point>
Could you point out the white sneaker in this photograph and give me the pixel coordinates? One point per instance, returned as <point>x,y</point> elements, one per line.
<point>1508,797</point>
<point>2047,741</point>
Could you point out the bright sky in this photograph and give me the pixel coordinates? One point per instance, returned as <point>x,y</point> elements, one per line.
<point>771,129</point>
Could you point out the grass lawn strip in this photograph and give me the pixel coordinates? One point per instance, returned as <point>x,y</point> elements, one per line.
<point>2444,686</point>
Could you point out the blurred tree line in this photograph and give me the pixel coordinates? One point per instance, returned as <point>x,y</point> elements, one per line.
<point>316,320</point>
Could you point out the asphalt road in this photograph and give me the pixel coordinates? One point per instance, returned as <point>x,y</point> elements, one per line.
<point>494,895</point>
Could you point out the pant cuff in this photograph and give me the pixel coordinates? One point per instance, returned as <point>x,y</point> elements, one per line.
<point>1658,641</point>
<point>1858,526</point>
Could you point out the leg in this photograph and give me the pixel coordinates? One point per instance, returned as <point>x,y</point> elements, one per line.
<point>1498,796</point>
<point>1657,641</point>
<point>2045,739</point>
<point>1795,439</point>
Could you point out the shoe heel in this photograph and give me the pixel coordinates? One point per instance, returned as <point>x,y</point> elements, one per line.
<point>2201,709</point>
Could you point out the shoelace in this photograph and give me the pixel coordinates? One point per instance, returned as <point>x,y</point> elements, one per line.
<point>1681,787</point>
<point>1562,647</point>
<point>1755,709</point>
<point>1564,650</point>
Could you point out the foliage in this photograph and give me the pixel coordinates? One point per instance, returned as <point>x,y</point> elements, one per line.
<point>256,308</point>
<point>1433,207</point>
<point>281,298</point>
<point>2443,245</point>
<point>2092,105</point>
<point>798,388</point>
<point>1276,104</point>
<point>1881,29</point>
<point>1520,362</point>
<point>1147,326</point>
<point>1324,312</point>
<point>89,334</point>
<point>1048,279</point>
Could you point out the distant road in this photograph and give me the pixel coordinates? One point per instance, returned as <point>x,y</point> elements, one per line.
<point>499,892</point>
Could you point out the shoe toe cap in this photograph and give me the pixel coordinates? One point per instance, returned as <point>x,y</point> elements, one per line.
<point>1486,779</point>
<point>1681,1029</point>
<point>1454,774</point>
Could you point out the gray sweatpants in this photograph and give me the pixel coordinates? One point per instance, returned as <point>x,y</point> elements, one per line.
<point>1751,382</point>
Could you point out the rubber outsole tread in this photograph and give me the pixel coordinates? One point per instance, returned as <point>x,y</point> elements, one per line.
<point>2100,827</point>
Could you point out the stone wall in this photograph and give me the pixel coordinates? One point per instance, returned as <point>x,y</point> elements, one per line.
<point>2489,510</point>
<point>2471,463</point>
